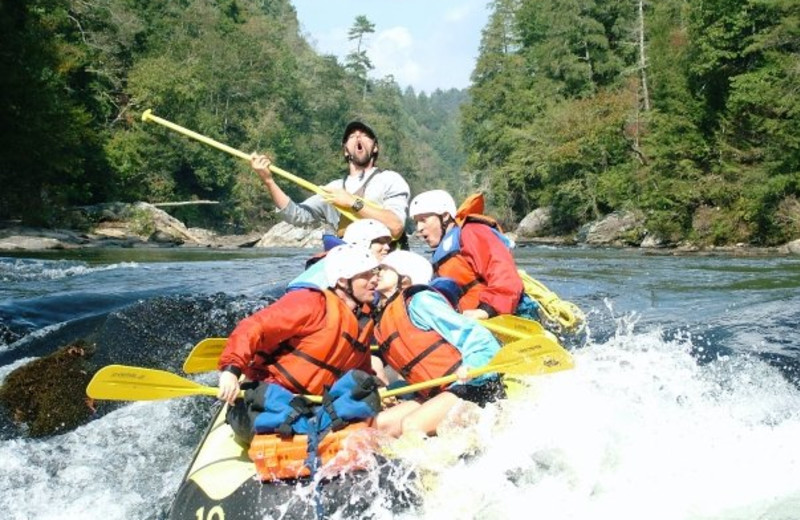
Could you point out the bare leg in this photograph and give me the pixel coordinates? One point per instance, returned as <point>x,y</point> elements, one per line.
<point>427,417</point>
<point>390,421</point>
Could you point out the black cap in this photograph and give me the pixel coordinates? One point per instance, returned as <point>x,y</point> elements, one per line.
<point>352,126</point>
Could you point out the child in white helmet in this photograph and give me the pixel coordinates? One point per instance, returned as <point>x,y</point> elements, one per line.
<point>367,233</point>
<point>422,337</point>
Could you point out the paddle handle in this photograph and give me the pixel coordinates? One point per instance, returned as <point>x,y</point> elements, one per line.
<point>407,389</point>
<point>149,116</point>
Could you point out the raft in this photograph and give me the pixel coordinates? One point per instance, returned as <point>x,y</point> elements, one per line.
<point>223,480</point>
<point>222,484</point>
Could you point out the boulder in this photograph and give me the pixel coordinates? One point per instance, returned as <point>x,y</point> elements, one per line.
<point>793,247</point>
<point>615,229</point>
<point>537,223</point>
<point>284,234</point>
<point>48,395</point>
<point>652,242</point>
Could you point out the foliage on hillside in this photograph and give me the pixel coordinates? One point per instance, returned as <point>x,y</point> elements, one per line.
<point>81,73</point>
<point>687,111</point>
<point>673,107</point>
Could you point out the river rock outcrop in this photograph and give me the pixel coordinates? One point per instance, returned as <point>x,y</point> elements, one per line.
<point>624,228</point>
<point>283,234</point>
<point>537,223</point>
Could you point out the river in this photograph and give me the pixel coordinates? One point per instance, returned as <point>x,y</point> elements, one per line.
<point>684,402</point>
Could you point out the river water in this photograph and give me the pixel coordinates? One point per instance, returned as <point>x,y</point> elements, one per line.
<point>684,402</point>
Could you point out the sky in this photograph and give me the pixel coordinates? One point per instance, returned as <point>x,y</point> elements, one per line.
<point>425,44</point>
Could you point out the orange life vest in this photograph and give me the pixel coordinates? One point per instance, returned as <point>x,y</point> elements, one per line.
<point>306,365</point>
<point>279,457</point>
<point>455,266</point>
<point>416,354</point>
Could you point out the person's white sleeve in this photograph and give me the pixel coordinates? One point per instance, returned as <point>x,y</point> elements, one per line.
<point>391,191</point>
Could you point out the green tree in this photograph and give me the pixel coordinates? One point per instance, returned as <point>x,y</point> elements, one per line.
<point>51,153</point>
<point>357,60</point>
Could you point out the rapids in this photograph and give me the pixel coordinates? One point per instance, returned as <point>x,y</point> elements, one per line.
<point>684,402</point>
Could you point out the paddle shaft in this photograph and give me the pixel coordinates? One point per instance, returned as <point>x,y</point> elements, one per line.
<point>531,356</point>
<point>149,116</point>
<point>204,355</point>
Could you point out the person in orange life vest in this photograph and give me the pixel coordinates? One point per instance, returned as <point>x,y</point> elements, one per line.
<point>385,187</point>
<point>368,233</point>
<point>474,254</point>
<point>423,337</point>
<point>309,337</point>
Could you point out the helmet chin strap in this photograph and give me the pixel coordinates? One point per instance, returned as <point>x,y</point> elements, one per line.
<point>444,225</point>
<point>348,291</point>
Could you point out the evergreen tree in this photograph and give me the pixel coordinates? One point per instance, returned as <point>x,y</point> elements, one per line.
<point>358,61</point>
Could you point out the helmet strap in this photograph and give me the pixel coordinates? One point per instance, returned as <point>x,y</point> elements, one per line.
<point>444,221</point>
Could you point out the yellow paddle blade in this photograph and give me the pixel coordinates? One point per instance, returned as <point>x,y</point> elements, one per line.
<point>529,357</point>
<point>508,327</point>
<point>204,356</point>
<point>124,383</point>
<point>532,356</point>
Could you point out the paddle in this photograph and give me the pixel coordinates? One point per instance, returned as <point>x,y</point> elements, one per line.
<point>531,356</point>
<point>565,314</point>
<point>149,116</point>
<point>124,383</point>
<point>204,355</point>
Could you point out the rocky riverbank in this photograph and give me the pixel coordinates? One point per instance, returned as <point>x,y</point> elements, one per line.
<point>144,225</point>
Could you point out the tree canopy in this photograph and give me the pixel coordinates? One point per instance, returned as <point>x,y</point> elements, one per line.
<point>80,74</point>
<point>682,110</point>
<point>687,112</point>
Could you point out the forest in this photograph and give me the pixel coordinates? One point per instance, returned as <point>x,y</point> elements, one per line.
<point>686,112</point>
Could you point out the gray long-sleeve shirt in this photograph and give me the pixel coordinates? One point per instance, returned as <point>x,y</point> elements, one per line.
<point>388,189</point>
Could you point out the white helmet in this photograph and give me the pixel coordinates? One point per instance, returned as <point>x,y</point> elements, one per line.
<point>437,202</point>
<point>363,231</point>
<point>347,261</point>
<point>406,263</point>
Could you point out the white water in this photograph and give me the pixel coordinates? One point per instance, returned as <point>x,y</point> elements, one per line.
<point>637,430</point>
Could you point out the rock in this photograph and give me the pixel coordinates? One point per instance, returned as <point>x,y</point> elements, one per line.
<point>651,242</point>
<point>537,223</point>
<point>26,243</point>
<point>793,247</point>
<point>617,229</point>
<point>284,234</point>
<point>162,237</point>
<point>48,395</point>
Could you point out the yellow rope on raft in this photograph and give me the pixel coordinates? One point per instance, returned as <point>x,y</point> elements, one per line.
<point>566,314</point>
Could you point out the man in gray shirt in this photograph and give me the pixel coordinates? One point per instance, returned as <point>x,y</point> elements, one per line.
<point>386,188</point>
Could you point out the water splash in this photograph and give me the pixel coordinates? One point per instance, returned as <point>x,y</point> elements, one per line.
<point>637,430</point>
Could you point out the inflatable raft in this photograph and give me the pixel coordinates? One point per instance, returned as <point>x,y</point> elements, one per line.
<point>222,484</point>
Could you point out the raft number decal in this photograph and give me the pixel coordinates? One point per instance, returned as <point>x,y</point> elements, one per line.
<point>215,513</point>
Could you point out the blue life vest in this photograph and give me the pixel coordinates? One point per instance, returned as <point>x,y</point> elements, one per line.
<point>451,243</point>
<point>352,398</point>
